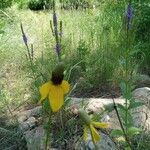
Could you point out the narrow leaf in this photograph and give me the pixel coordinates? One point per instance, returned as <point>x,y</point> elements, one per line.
<point>133,131</point>
<point>117,133</point>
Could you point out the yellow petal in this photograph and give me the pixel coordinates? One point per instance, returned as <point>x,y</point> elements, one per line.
<point>100,124</point>
<point>56,97</point>
<point>44,90</point>
<point>85,134</point>
<point>94,133</point>
<point>65,86</point>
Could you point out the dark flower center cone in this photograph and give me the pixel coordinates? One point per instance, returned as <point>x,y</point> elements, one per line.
<point>57,74</point>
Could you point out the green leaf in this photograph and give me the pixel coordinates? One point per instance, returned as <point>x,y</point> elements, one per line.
<point>126,90</point>
<point>127,148</point>
<point>123,114</point>
<point>133,131</point>
<point>1,32</point>
<point>120,106</point>
<point>135,104</point>
<point>117,133</point>
<point>109,107</point>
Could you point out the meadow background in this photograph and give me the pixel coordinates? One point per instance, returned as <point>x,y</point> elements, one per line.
<point>93,47</point>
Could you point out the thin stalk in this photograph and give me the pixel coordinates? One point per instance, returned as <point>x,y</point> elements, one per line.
<point>47,133</point>
<point>121,125</point>
<point>61,119</point>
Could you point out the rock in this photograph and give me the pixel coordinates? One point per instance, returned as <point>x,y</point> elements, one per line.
<point>23,126</point>
<point>95,105</point>
<point>22,118</point>
<point>141,114</point>
<point>28,124</point>
<point>113,121</point>
<point>104,144</point>
<point>35,112</point>
<point>143,81</point>
<point>34,138</point>
<point>142,94</point>
<point>31,122</point>
<point>141,117</point>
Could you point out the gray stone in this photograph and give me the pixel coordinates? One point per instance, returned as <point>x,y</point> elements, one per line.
<point>142,94</point>
<point>35,138</point>
<point>95,105</point>
<point>31,122</point>
<point>35,112</point>
<point>28,124</point>
<point>141,115</point>
<point>23,118</point>
<point>104,144</point>
<point>143,80</point>
<point>24,126</point>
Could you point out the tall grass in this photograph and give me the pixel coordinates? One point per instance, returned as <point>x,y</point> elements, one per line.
<point>92,41</point>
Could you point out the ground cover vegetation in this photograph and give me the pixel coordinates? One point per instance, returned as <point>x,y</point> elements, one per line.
<point>104,46</point>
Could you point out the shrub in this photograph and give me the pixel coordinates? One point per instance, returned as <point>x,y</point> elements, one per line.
<point>36,4</point>
<point>143,34</point>
<point>5,3</point>
<point>40,4</point>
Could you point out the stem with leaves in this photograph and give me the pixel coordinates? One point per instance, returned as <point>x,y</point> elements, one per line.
<point>121,124</point>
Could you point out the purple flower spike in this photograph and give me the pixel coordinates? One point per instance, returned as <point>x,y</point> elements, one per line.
<point>55,19</point>
<point>129,12</point>
<point>129,15</point>
<point>25,40</point>
<point>58,49</point>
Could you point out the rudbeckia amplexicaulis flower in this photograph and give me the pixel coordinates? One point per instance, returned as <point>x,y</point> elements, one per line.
<point>55,90</point>
<point>91,126</point>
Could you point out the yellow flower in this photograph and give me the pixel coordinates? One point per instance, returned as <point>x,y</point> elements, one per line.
<point>91,125</point>
<point>55,93</point>
<point>93,131</point>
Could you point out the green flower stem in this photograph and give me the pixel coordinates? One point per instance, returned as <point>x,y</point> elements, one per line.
<point>48,133</point>
<point>61,119</point>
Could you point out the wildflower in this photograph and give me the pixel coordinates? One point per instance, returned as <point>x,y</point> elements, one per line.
<point>55,89</point>
<point>129,15</point>
<point>23,35</point>
<point>58,49</point>
<point>91,126</point>
<point>55,19</point>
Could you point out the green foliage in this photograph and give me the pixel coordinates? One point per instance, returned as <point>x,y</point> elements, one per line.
<point>5,3</point>
<point>133,131</point>
<point>10,137</point>
<point>40,4</point>
<point>77,4</point>
<point>117,133</point>
<point>36,4</point>
<point>21,3</point>
<point>1,28</point>
<point>143,21</point>
<point>142,11</point>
